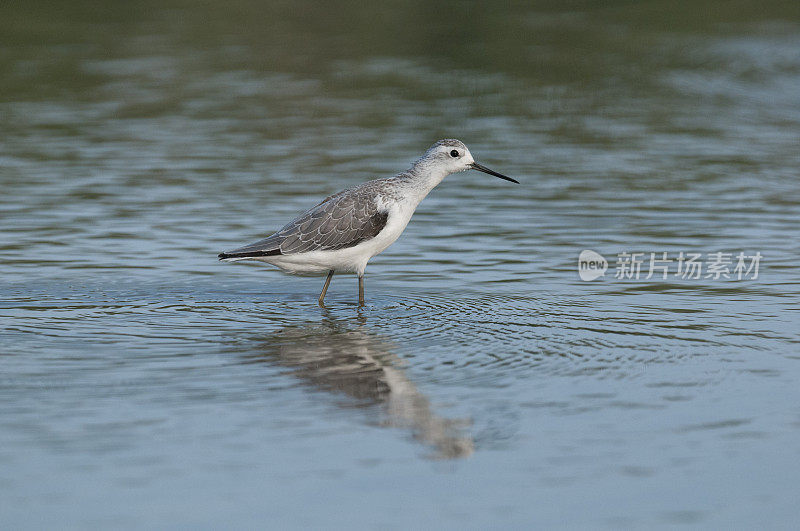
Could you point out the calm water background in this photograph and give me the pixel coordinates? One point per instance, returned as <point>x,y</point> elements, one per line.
<point>145,384</point>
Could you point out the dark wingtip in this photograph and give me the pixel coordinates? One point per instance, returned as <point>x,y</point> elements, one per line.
<point>249,254</point>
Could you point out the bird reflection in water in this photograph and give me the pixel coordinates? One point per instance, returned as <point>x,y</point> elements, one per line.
<point>353,361</point>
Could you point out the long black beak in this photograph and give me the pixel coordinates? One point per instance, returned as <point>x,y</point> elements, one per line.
<point>484,169</point>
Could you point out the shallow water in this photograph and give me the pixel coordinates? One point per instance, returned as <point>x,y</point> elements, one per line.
<point>144,383</point>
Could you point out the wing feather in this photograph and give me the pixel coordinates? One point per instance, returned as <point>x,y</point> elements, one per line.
<point>340,221</point>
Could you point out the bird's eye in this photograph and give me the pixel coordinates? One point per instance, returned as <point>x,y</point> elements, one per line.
<point>454,153</point>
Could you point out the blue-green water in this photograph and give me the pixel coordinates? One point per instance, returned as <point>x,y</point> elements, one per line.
<point>145,384</point>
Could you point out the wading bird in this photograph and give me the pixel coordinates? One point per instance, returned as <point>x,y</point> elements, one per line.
<point>346,229</point>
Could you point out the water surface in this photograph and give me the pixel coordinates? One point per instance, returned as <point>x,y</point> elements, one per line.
<point>144,383</point>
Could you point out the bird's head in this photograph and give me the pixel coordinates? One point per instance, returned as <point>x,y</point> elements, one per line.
<point>453,156</point>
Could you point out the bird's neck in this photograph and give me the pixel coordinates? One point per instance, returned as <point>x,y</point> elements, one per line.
<point>421,178</point>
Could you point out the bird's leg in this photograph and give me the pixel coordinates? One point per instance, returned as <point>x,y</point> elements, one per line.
<point>325,289</point>
<point>361,290</point>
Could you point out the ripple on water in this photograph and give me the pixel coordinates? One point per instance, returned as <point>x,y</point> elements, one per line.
<point>500,337</point>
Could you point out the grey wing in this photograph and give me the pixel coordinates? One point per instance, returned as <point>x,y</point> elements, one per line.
<point>343,220</point>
